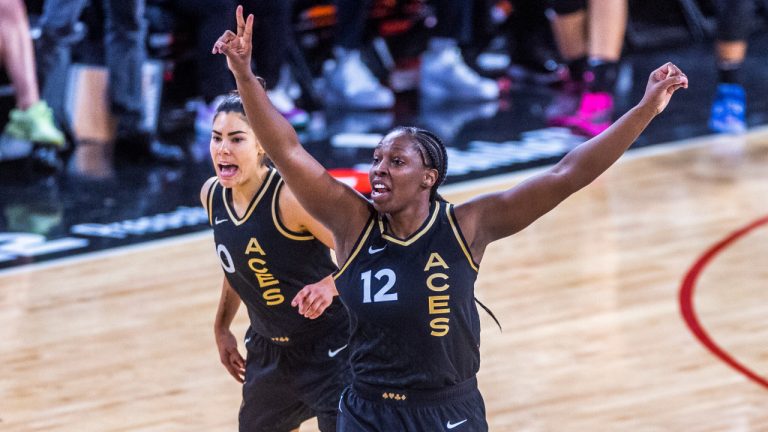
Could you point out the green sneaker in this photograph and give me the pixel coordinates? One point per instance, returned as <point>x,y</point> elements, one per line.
<point>35,124</point>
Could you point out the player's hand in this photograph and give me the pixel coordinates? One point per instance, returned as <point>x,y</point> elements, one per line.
<point>663,82</point>
<point>313,299</point>
<point>229,355</point>
<point>237,47</point>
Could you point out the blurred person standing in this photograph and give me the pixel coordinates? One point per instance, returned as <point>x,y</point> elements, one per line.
<point>124,46</point>
<point>734,24</point>
<point>443,75</point>
<point>273,28</point>
<point>32,119</point>
<point>212,78</point>
<point>590,36</point>
<point>271,33</point>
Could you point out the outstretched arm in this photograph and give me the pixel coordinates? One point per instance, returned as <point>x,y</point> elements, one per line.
<point>494,216</point>
<point>318,192</point>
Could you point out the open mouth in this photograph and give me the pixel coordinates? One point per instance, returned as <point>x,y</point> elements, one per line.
<point>379,190</point>
<point>227,171</point>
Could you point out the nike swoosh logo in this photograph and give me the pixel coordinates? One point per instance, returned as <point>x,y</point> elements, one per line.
<point>450,425</point>
<point>334,352</point>
<point>217,221</point>
<point>372,251</point>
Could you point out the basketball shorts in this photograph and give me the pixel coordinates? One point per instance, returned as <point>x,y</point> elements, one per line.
<point>286,385</point>
<point>459,408</point>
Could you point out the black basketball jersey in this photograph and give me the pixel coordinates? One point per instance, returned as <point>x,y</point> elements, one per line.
<point>414,323</point>
<point>267,264</point>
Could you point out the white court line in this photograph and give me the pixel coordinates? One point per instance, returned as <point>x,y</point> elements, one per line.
<point>633,153</point>
<point>106,253</point>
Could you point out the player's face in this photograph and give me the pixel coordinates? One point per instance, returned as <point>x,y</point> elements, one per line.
<point>398,175</point>
<point>235,151</point>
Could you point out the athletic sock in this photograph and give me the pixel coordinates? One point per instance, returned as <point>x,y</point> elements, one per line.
<point>603,74</point>
<point>577,67</point>
<point>729,71</point>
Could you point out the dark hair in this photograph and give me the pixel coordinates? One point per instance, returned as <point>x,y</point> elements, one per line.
<point>433,153</point>
<point>233,103</point>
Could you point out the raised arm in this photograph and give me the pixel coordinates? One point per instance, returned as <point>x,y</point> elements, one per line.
<point>297,219</point>
<point>334,204</point>
<point>490,217</point>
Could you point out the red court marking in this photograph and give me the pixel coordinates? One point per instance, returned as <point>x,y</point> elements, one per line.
<point>689,312</point>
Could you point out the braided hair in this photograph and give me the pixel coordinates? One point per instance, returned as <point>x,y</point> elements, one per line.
<point>233,103</point>
<point>433,153</point>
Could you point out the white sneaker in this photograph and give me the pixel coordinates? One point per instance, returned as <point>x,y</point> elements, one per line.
<point>445,76</point>
<point>350,84</point>
<point>297,117</point>
<point>205,114</point>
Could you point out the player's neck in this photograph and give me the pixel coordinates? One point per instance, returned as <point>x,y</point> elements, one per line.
<point>405,222</point>
<point>242,194</point>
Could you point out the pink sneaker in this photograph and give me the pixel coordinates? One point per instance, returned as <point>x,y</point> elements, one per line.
<point>594,114</point>
<point>562,110</point>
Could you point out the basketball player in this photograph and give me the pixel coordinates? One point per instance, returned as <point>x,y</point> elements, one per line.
<point>409,259</point>
<point>270,248</point>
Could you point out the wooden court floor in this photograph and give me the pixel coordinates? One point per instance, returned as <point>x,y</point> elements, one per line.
<point>593,336</point>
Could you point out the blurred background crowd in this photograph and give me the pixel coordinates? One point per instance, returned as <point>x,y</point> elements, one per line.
<point>133,81</point>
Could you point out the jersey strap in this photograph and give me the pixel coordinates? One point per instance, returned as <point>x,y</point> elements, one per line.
<point>281,228</point>
<point>209,201</point>
<point>358,245</point>
<point>460,237</point>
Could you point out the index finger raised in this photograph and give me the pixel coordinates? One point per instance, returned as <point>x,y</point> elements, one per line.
<point>240,20</point>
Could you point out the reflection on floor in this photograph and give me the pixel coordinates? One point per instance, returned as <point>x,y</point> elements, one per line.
<point>95,205</point>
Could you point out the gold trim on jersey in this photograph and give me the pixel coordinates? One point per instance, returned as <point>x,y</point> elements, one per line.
<point>459,238</point>
<point>414,237</point>
<point>211,190</point>
<point>360,242</point>
<point>285,231</point>
<point>254,203</point>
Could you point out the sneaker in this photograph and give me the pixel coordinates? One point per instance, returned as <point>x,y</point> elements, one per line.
<point>593,116</point>
<point>297,117</point>
<point>534,62</point>
<point>140,146</point>
<point>350,84</point>
<point>35,124</point>
<point>729,110</point>
<point>445,76</point>
<point>205,112</point>
<point>564,104</point>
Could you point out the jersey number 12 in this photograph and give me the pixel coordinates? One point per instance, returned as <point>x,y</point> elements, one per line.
<point>383,294</point>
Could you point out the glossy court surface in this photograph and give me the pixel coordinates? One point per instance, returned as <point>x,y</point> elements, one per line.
<point>589,298</point>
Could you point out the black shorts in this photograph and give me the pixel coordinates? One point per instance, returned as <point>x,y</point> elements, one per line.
<point>459,408</point>
<point>285,385</point>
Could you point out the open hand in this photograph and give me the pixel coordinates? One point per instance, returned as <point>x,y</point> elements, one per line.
<point>229,355</point>
<point>663,82</point>
<point>237,47</point>
<point>313,299</point>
